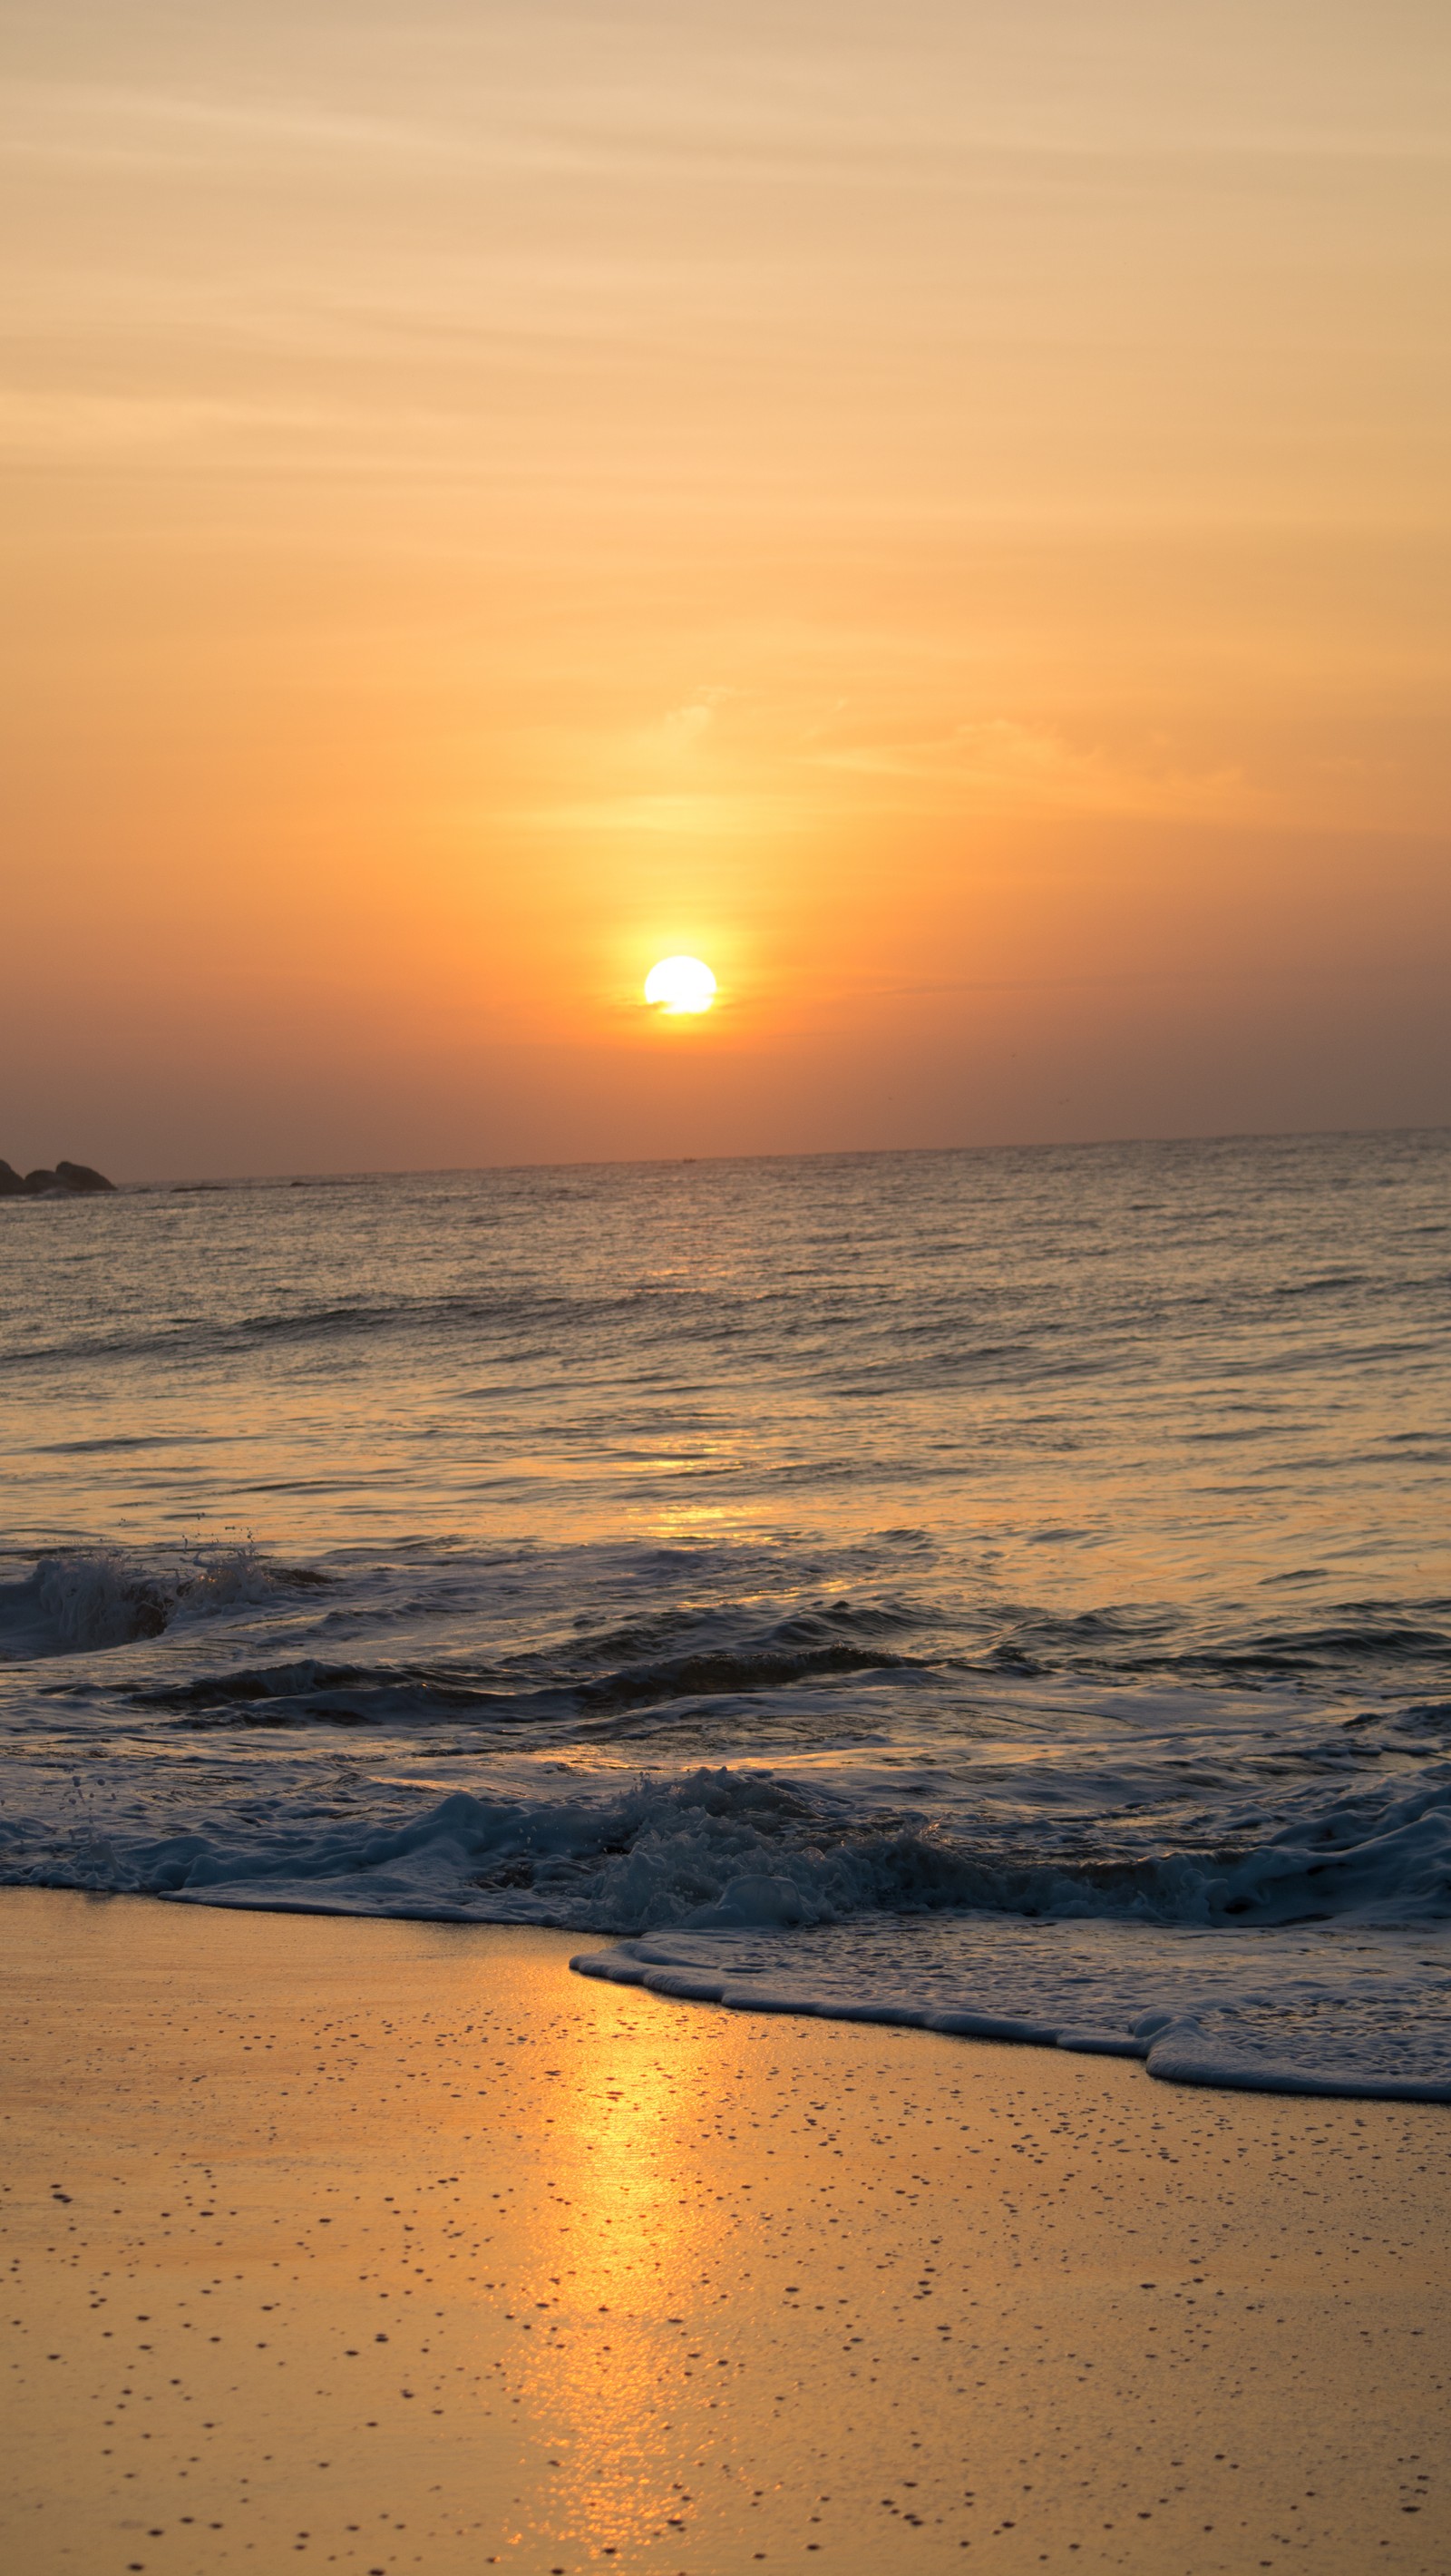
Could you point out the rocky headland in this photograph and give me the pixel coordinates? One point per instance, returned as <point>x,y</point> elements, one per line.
<point>68,1180</point>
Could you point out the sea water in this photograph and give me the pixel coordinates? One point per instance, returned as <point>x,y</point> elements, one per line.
<point>1007,1591</point>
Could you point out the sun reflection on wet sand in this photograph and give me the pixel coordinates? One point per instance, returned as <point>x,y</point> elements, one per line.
<point>434,2256</point>
<point>615,2293</point>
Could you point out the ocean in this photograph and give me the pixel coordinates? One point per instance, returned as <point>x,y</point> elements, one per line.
<point>1006,1591</point>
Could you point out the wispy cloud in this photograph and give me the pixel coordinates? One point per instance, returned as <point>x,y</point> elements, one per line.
<point>45,424</point>
<point>1001,765</point>
<point>687,726</point>
<point>103,126</point>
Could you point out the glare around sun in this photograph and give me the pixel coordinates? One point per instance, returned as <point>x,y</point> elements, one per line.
<point>680,984</point>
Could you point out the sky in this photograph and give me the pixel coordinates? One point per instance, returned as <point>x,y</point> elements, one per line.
<point>939,510</point>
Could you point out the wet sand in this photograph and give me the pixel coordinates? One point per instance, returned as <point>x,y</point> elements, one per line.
<point>387,2246</point>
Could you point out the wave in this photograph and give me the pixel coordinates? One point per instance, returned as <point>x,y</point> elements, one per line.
<point>1150,1643</point>
<point>737,1887</point>
<point>89,1598</point>
<point>680,1851</point>
<point>711,1662</point>
<point>310,1691</point>
<point>547,1320</point>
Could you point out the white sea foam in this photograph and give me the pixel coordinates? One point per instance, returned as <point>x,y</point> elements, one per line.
<point>724,1848</point>
<point>83,1598</point>
<point>736,1887</point>
<point>1277,2012</point>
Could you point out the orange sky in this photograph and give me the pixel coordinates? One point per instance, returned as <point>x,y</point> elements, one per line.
<point>940,510</point>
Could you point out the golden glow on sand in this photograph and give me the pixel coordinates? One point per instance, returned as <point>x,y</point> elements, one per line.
<point>680,984</point>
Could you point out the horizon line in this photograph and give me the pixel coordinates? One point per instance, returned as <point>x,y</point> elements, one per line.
<point>811,1154</point>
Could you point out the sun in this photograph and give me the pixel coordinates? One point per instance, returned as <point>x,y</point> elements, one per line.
<point>680,984</point>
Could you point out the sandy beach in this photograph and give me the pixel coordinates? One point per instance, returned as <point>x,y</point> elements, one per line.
<point>382,2246</point>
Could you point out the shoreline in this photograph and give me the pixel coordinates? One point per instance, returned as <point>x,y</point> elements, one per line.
<point>383,2245</point>
<point>1175,2053</point>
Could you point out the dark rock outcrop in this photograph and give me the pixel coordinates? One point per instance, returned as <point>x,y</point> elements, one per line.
<point>77,1179</point>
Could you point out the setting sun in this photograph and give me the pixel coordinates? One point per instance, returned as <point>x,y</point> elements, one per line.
<point>680,984</point>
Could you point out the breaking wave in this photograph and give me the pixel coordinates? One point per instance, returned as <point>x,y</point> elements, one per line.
<point>93,1598</point>
<point>738,1887</point>
<point>681,1851</point>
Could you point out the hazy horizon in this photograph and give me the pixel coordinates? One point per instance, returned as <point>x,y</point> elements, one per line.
<point>814,1154</point>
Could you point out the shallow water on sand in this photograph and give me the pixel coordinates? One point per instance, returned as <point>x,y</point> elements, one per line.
<point>987,1587</point>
